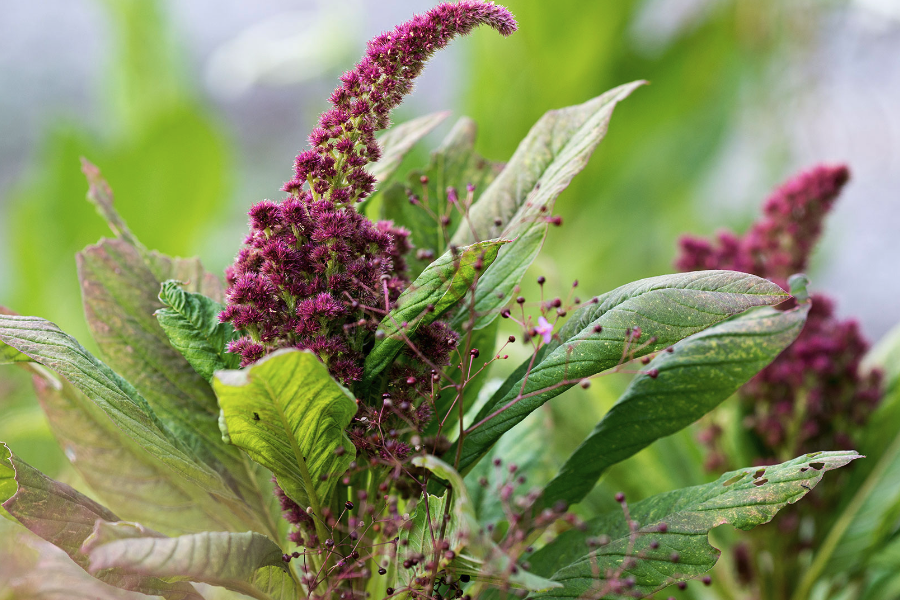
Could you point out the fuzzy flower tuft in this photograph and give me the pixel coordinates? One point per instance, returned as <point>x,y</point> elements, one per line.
<point>779,244</point>
<point>344,142</point>
<point>314,273</point>
<point>814,394</point>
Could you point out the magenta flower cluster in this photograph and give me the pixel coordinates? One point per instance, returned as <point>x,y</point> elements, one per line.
<point>779,244</point>
<point>314,273</point>
<point>814,394</point>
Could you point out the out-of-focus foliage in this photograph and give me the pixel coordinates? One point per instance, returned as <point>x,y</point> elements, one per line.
<point>160,149</point>
<point>637,195</point>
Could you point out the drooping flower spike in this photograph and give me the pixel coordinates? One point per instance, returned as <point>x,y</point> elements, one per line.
<point>344,142</point>
<point>313,269</point>
<point>819,375</point>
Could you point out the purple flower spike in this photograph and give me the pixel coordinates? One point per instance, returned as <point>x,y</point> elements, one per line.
<point>818,376</point>
<point>344,142</point>
<point>313,269</point>
<point>779,244</point>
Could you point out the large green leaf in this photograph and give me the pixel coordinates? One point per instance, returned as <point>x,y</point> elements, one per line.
<point>120,282</point>
<point>556,149</point>
<point>454,163</point>
<point>666,309</point>
<point>744,499</point>
<point>122,440</point>
<point>399,139</point>
<point>64,517</point>
<point>289,415</point>
<point>9,355</point>
<point>441,286</point>
<point>120,294</point>
<point>699,373</point>
<point>191,322</point>
<point>248,563</point>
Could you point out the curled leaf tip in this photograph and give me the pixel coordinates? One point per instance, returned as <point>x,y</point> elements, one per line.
<point>797,284</point>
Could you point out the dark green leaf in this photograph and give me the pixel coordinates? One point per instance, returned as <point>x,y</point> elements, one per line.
<point>191,322</point>
<point>666,309</point>
<point>744,499</point>
<point>699,373</point>
<point>453,164</point>
<point>441,286</point>
<point>64,517</point>
<point>145,465</point>
<point>556,149</point>
<point>248,563</point>
<point>289,415</point>
<point>399,139</point>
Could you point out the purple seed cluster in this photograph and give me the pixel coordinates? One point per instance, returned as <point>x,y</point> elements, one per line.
<point>818,377</point>
<point>781,242</point>
<point>314,273</point>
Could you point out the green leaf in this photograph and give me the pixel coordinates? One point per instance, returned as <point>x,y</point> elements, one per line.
<point>191,322</point>
<point>441,286</point>
<point>399,139</point>
<point>9,355</point>
<point>124,442</point>
<point>555,150</point>
<point>526,447</point>
<point>289,415</point>
<point>744,499</point>
<point>454,163</point>
<point>64,517</point>
<point>699,373</point>
<point>483,558</point>
<point>248,563</point>
<point>423,536</point>
<point>667,309</point>
<point>120,294</point>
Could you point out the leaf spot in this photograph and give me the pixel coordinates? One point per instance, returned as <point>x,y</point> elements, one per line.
<point>734,479</point>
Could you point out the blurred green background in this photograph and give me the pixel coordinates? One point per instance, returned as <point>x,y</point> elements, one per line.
<point>195,110</point>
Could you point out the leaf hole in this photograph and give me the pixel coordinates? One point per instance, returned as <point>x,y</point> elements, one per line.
<point>759,474</point>
<point>760,482</point>
<point>734,479</point>
<point>818,466</point>
<point>804,469</point>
